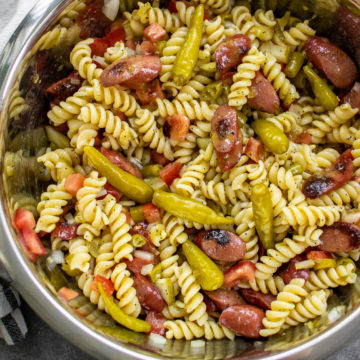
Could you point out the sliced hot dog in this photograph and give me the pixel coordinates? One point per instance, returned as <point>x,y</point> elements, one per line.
<point>263,96</point>
<point>333,62</point>
<point>340,237</point>
<point>224,128</point>
<point>349,26</point>
<point>332,178</point>
<point>352,97</point>
<point>243,320</point>
<point>229,159</point>
<point>231,51</point>
<point>288,271</point>
<point>132,71</point>
<point>221,245</point>
<point>257,298</point>
<point>225,298</point>
<point>148,294</point>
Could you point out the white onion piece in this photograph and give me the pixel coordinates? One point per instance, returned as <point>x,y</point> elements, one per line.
<point>101,193</point>
<point>111,9</point>
<point>157,339</point>
<point>350,217</point>
<point>100,60</point>
<point>70,219</point>
<point>58,257</point>
<point>146,269</point>
<point>145,255</point>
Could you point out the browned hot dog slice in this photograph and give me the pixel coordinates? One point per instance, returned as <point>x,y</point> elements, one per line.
<point>334,63</point>
<point>288,271</point>
<point>349,27</point>
<point>332,178</point>
<point>231,51</point>
<point>257,298</point>
<point>243,320</point>
<point>340,237</point>
<point>352,97</point>
<point>221,245</point>
<point>225,298</point>
<point>224,128</point>
<point>263,96</point>
<point>132,71</point>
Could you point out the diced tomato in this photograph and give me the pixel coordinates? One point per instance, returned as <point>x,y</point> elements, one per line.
<point>73,183</point>
<point>206,15</point>
<point>244,270</point>
<point>67,294</point>
<point>149,92</point>
<point>130,44</point>
<point>148,294</point>
<point>254,149</point>
<point>23,219</point>
<point>154,32</point>
<point>106,284</point>
<point>115,33</point>
<point>227,78</point>
<point>31,256</point>
<point>33,242</point>
<point>288,271</point>
<point>148,47</point>
<point>157,158</point>
<point>120,161</point>
<point>98,47</point>
<point>65,231</point>
<point>64,88</point>
<point>151,213</point>
<point>137,264</point>
<point>111,190</point>
<point>63,128</point>
<point>98,140</point>
<point>170,172</point>
<point>120,114</point>
<point>304,138</point>
<point>172,6</point>
<point>157,322</point>
<point>318,254</point>
<point>92,20</point>
<point>128,216</point>
<point>179,126</point>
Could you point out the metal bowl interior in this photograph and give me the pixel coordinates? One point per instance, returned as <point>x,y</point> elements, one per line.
<point>303,341</point>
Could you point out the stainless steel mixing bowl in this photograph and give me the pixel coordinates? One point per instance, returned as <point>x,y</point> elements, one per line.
<point>326,336</point>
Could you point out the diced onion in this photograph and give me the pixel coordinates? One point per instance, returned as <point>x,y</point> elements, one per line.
<point>70,219</point>
<point>145,255</point>
<point>157,339</point>
<point>100,60</point>
<point>306,264</point>
<point>58,257</point>
<point>197,343</point>
<point>351,217</point>
<point>335,313</point>
<point>101,193</point>
<point>146,269</point>
<point>111,9</point>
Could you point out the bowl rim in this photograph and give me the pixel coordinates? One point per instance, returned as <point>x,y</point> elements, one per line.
<point>41,300</point>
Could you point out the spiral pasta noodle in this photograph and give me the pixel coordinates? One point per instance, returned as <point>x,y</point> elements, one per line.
<point>327,122</point>
<point>193,299</point>
<point>50,207</point>
<point>119,229</point>
<point>151,134</point>
<point>124,290</point>
<point>239,90</point>
<point>285,301</point>
<point>180,329</point>
<point>105,257</point>
<point>97,115</point>
<point>79,257</point>
<point>90,215</point>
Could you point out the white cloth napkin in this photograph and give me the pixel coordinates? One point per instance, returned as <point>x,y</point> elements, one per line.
<point>11,14</point>
<point>12,324</point>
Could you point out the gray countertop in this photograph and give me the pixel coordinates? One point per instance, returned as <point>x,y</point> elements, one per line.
<point>43,343</point>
